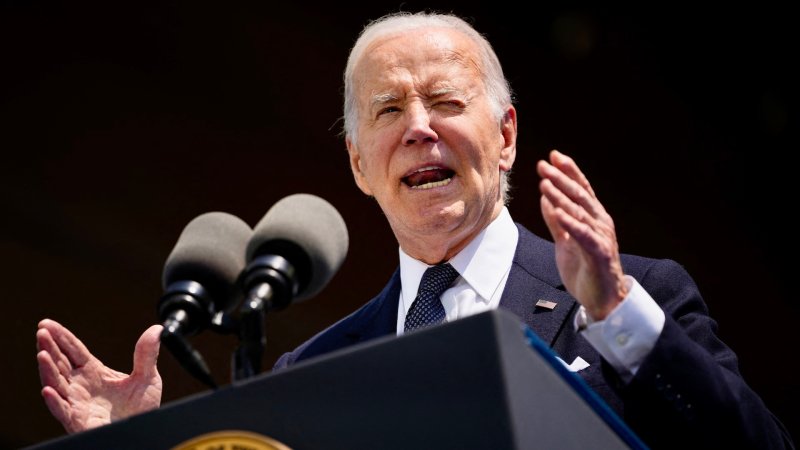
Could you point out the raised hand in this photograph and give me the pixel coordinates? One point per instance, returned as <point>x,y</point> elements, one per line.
<point>587,253</point>
<point>81,392</point>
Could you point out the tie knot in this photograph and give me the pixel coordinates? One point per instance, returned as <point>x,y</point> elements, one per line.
<point>437,279</point>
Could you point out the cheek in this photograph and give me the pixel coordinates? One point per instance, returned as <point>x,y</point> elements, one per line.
<point>378,152</point>
<point>371,166</point>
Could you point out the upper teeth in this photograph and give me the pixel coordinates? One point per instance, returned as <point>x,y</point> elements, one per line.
<point>426,168</point>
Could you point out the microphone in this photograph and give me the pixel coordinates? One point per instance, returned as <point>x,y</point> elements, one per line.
<point>304,239</point>
<point>199,280</point>
<point>295,250</point>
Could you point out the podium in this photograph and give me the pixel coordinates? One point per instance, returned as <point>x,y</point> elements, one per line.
<point>481,382</point>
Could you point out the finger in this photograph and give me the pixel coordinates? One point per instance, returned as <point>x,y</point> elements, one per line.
<point>551,219</point>
<point>49,374</point>
<point>58,407</point>
<point>563,226</point>
<point>45,343</point>
<point>570,188</point>
<point>571,169</point>
<point>586,237</point>
<point>145,356</point>
<point>561,201</point>
<point>71,346</point>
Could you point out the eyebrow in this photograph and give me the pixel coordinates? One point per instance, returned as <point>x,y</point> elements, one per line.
<point>384,98</point>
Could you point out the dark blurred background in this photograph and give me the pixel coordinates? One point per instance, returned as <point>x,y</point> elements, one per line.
<point>122,121</point>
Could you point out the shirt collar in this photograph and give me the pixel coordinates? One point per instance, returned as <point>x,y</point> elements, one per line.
<point>482,263</point>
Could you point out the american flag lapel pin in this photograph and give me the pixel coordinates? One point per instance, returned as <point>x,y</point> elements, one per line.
<point>546,304</point>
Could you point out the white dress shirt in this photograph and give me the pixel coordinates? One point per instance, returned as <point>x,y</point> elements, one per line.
<point>483,266</point>
<point>624,338</point>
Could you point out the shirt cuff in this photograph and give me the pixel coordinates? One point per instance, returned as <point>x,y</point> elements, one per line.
<point>628,334</point>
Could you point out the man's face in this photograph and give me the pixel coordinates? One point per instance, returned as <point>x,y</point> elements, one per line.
<point>429,148</point>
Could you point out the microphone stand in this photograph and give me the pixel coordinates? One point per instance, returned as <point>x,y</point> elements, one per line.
<point>252,338</point>
<point>185,308</point>
<point>270,283</point>
<point>187,356</point>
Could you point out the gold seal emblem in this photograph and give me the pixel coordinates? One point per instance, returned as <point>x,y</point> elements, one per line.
<point>231,440</point>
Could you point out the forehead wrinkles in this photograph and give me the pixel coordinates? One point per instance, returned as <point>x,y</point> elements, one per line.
<point>416,52</point>
<point>436,90</point>
<point>398,75</point>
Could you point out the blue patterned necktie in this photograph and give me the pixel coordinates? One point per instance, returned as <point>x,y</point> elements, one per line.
<point>427,309</point>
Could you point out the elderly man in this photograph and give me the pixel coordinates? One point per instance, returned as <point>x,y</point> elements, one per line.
<point>431,135</point>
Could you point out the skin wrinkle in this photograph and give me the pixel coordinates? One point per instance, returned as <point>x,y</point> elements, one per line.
<point>440,115</point>
<point>481,59</point>
<point>395,64</point>
<point>379,100</point>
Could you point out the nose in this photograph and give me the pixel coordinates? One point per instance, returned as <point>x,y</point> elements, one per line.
<point>418,125</point>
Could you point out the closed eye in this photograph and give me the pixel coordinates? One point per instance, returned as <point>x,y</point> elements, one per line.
<point>450,106</point>
<point>455,102</point>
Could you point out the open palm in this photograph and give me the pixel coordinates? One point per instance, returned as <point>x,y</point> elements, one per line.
<point>81,392</point>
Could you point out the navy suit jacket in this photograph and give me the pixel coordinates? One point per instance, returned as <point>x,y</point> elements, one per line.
<point>688,391</point>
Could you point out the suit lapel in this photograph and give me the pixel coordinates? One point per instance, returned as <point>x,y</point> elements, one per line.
<point>379,317</point>
<point>534,277</point>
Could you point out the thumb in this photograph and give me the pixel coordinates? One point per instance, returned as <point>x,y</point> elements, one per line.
<point>145,356</point>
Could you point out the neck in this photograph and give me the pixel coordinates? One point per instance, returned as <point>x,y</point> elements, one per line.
<point>439,247</point>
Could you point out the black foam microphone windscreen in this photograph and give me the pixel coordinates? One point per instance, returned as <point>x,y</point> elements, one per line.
<point>310,233</point>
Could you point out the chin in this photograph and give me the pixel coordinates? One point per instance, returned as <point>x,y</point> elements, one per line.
<point>440,217</point>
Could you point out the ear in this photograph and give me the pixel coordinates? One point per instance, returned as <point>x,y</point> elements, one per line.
<point>355,166</point>
<point>508,128</point>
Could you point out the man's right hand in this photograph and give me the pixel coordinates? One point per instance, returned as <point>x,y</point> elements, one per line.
<point>83,393</point>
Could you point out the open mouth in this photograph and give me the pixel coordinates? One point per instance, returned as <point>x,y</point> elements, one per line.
<point>429,178</point>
